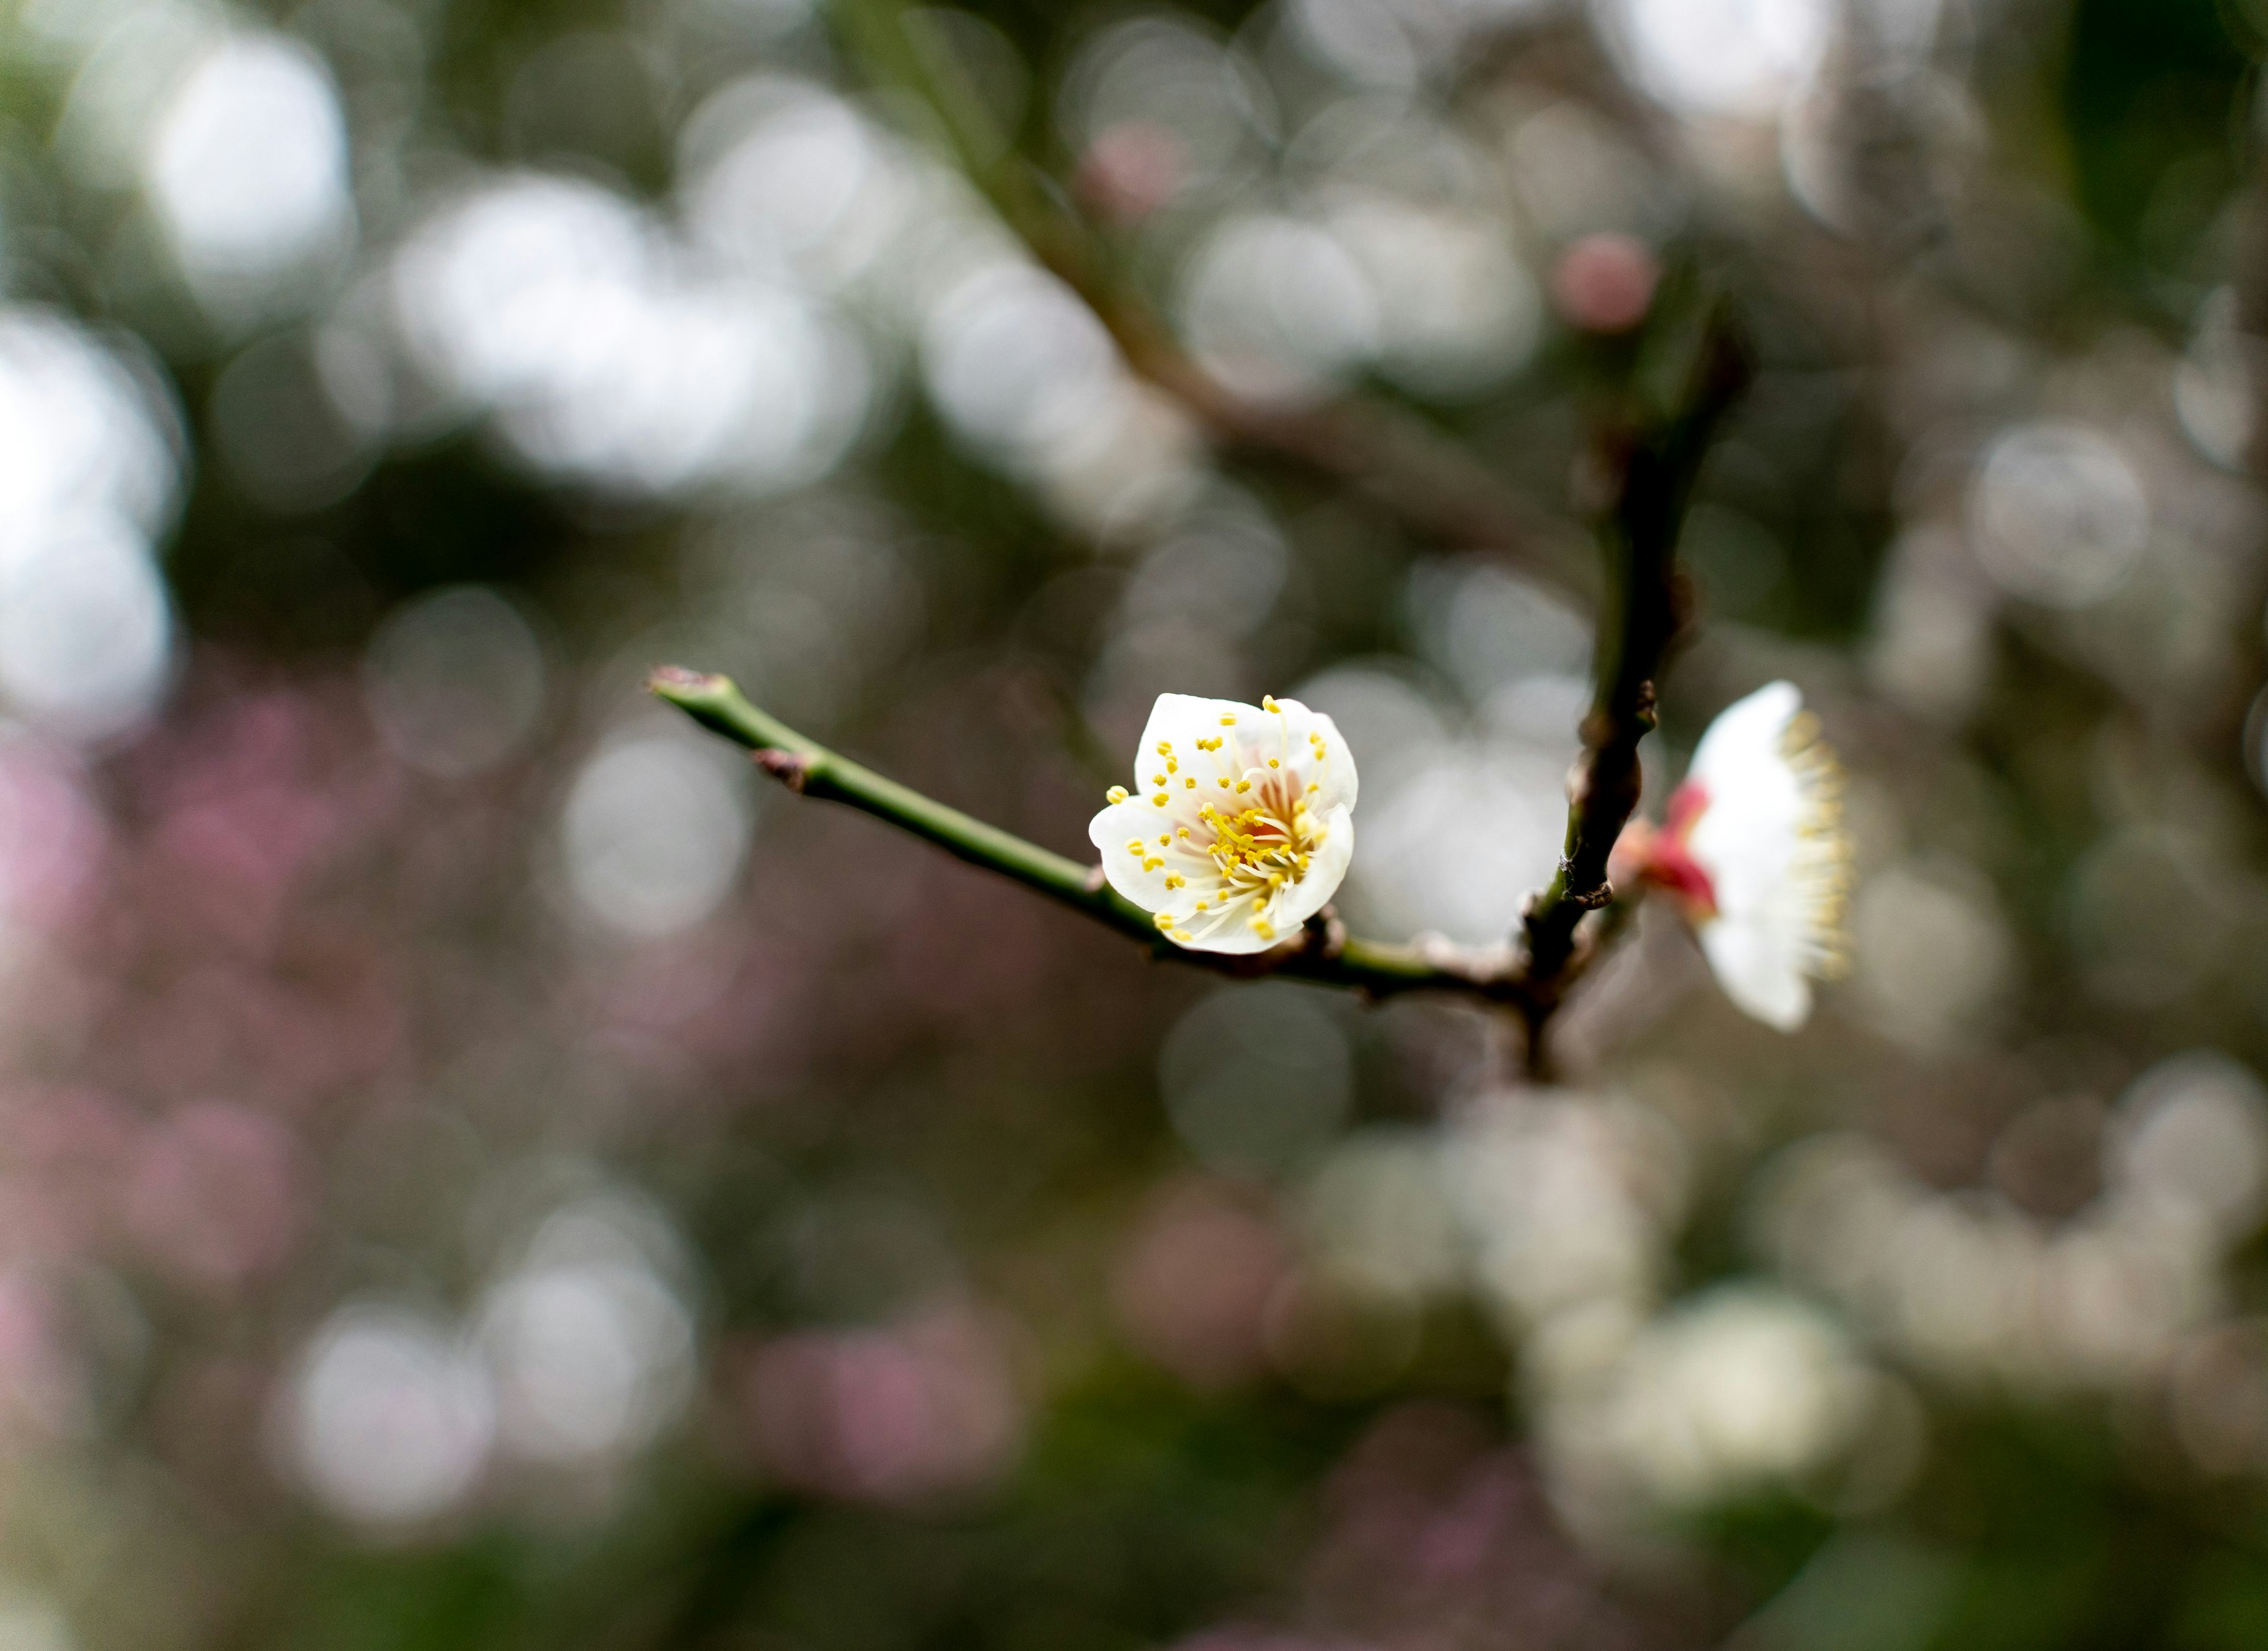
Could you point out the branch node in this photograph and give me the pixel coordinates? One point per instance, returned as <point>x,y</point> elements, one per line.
<point>1589,899</point>
<point>678,678</point>
<point>790,768</point>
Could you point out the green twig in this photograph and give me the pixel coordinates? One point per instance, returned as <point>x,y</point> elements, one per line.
<point>1322,951</point>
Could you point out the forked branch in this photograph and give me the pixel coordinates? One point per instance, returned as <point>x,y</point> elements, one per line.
<point>1691,372</point>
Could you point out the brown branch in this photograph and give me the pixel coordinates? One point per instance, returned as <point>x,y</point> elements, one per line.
<point>1693,372</point>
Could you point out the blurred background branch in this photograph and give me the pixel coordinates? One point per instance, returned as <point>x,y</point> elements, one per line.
<point>1386,455</point>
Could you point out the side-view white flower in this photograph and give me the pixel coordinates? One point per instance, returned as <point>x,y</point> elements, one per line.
<point>1752,846</point>
<point>1240,824</point>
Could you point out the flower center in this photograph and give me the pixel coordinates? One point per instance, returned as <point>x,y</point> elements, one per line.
<point>1265,844</point>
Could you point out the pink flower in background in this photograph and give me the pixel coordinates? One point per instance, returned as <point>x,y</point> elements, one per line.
<point>51,835</point>
<point>39,1375</point>
<point>1193,1287</point>
<point>919,1409</point>
<point>1605,282</point>
<point>1130,171</point>
<point>216,1193</point>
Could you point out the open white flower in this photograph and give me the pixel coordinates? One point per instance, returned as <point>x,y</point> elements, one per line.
<point>1752,844</point>
<point>1241,823</point>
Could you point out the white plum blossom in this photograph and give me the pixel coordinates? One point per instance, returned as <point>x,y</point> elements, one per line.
<point>1752,846</point>
<point>1240,824</point>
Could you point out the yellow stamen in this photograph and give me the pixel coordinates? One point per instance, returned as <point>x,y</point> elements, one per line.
<point>1116,794</point>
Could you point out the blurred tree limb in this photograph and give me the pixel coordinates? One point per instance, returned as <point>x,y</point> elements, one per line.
<point>1393,459</point>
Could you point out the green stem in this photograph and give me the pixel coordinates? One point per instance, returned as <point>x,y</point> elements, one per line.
<point>1320,954</point>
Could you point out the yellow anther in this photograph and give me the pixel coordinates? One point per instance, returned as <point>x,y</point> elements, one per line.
<point>1184,935</point>
<point>1268,703</point>
<point>1275,762</point>
<point>1116,794</point>
<point>1189,782</point>
<point>1172,766</point>
<point>1165,840</point>
<point>1181,831</point>
<point>1157,779</point>
<point>1133,845</point>
<point>1275,879</point>
<point>1165,748</point>
<point>1166,920</point>
<point>1160,799</point>
<point>1242,786</point>
<point>1204,906</point>
<point>1223,782</point>
<point>1152,865</point>
<point>1226,722</point>
<point>1175,880</point>
<point>1263,927</point>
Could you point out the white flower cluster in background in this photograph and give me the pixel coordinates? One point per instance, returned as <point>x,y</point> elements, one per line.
<point>1977,1290</point>
<point>89,478</point>
<point>580,1353</point>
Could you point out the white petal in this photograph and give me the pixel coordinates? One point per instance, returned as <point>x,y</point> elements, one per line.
<point>1139,818</point>
<point>1336,771</point>
<point>1764,976</point>
<point>1326,870</point>
<point>1236,934</point>
<point>1748,836</point>
<point>1179,720</point>
<point>1746,732</point>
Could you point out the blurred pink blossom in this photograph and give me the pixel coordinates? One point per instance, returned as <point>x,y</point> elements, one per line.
<point>216,1193</point>
<point>886,1415</point>
<point>1604,282</point>
<point>1130,171</point>
<point>51,835</point>
<point>63,1155</point>
<point>1193,1287</point>
<point>38,1377</point>
<point>1437,1537</point>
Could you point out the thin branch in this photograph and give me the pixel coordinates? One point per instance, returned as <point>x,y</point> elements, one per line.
<point>1392,459</point>
<point>1694,371</point>
<point>1321,952</point>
